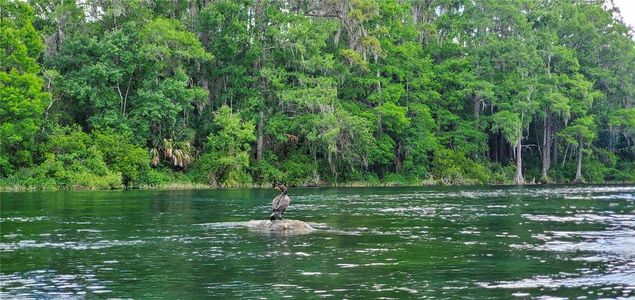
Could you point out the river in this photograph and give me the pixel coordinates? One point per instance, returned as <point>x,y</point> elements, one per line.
<point>424,242</point>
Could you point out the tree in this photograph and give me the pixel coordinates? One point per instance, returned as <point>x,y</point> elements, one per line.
<point>510,125</point>
<point>580,134</point>
<point>23,100</point>
<point>625,120</point>
<point>226,159</point>
<point>122,156</point>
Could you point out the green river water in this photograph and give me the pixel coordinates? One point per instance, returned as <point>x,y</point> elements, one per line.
<point>427,242</point>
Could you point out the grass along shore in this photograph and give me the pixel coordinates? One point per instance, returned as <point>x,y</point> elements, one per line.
<point>351,184</point>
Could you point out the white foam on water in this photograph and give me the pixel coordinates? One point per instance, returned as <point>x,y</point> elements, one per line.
<point>284,285</point>
<point>70,245</point>
<point>89,230</point>
<point>371,250</point>
<point>346,266</point>
<point>602,197</point>
<point>38,283</point>
<point>311,273</point>
<point>575,282</point>
<point>24,219</point>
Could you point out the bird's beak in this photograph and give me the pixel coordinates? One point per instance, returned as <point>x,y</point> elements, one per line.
<point>277,188</point>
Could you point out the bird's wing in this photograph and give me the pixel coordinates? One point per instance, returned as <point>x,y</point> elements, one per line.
<point>283,203</point>
<point>275,202</point>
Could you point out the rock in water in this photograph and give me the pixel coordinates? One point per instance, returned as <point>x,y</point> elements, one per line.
<point>284,226</point>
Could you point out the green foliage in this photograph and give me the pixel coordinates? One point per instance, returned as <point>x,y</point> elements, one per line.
<point>581,131</point>
<point>20,41</point>
<point>167,42</point>
<point>395,179</point>
<point>501,174</point>
<point>241,92</point>
<point>73,159</point>
<point>595,171</point>
<point>22,99</point>
<point>624,117</point>
<point>226,160</point>
<point>451,167</point>
<point>509,124</point>
<point>155,177</point>
<point>623,172</point>
<point>122,156</point>
<point>264,172</point>
<point>299,169</point>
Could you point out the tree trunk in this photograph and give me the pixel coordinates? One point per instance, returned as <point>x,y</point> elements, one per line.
<point>554,146</point>
<point>205,82</point>
<point>564,157</point>
<point>612,135</point>
<point>399,157</point>
<point>578,169</point>
<point>476,100</point>
<point>59,37</point>
<point>546,149</point>
<point>518,177</point>
<point>501,149</point>
<point>260,142</point>
<point>493,148</point>
<point>511,152</point>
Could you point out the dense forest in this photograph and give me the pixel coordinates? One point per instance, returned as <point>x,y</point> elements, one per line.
<point>99,94</point>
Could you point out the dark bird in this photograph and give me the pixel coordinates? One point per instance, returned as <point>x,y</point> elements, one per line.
<point>280,203</point>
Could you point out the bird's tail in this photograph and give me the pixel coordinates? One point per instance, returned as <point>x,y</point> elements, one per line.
<point>275,216</point>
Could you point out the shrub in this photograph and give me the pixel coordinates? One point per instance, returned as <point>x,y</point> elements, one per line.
<point>73,159</point>
<point>502,174</point>
<point>395,179</point>
<point>122,156</point>
<point>452,167</point>
<point>155,177</point>
<point>594,170</point>
<point>623,172</point>
<point>264,172</point>
<point>226,160</point>
<point>299,169</point>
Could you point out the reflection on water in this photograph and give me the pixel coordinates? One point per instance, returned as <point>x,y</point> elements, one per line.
<point>481,242</point>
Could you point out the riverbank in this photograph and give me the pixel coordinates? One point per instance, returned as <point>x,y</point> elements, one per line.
<point>354,184</point>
